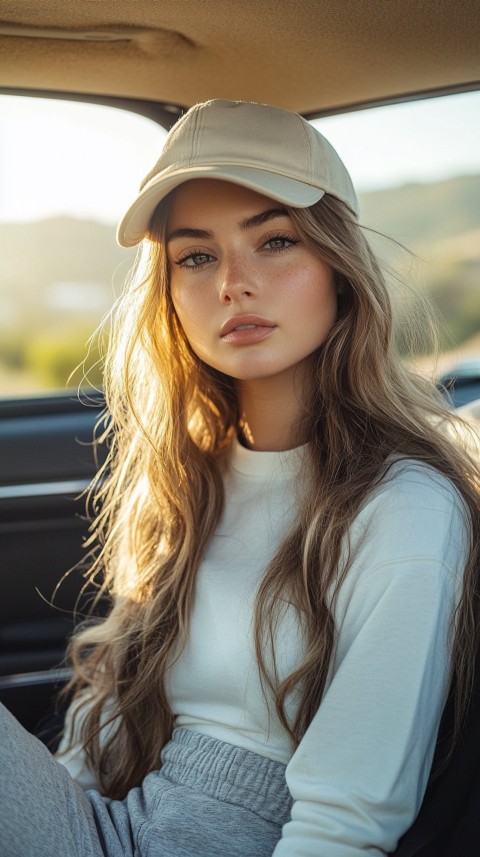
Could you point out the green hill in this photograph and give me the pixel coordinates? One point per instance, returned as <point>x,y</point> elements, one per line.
<point>416,213</point>
<point>35,255</point>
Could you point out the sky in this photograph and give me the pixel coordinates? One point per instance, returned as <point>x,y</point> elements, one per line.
<point>422,141</point>
<point>87,161</point>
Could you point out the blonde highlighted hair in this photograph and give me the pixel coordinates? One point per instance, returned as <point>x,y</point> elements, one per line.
<point>159,497</point>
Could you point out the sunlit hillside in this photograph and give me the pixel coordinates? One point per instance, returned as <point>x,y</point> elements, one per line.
<point>440,224</point>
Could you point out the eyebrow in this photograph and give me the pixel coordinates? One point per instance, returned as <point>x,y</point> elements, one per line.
<point>258,219</point>
<point>248,223</point>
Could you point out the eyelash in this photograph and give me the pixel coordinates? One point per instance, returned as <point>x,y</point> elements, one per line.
<point>184,259</point>
<point>280,236</point>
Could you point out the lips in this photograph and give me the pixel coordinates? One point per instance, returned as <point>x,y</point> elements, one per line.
<point>243,330</point>
<point>245,323</point>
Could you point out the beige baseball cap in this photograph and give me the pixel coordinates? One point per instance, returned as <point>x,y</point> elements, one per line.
<point>272,151</point>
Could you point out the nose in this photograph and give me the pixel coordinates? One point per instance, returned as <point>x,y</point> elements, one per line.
<point>238,280</point>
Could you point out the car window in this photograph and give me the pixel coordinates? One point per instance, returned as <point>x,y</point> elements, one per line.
<point>417,169</point>
<point>68,170</point>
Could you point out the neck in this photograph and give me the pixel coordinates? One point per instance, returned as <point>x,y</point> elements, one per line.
<point>271,414</point>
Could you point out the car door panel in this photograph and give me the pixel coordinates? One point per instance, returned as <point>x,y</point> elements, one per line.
<point>48,460</point>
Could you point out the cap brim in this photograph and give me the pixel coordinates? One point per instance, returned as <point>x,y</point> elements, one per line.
<point>134,225</point>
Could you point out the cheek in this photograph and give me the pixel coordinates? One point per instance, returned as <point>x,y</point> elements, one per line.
<point>319,295</point>
<point>184,305</point>
<point>192,314</point>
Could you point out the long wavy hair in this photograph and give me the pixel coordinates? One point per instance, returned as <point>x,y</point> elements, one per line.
<point>159,496</point>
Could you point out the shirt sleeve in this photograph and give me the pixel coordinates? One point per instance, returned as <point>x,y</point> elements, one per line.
<point>359,774</point>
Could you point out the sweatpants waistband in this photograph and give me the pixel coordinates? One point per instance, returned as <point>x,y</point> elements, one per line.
<point>229,773</point>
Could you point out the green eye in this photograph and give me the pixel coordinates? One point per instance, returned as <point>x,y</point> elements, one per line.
<point>280,242</point>
<point>194,260</point>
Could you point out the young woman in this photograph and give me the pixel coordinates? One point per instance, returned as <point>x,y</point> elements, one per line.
<point>287,531</point>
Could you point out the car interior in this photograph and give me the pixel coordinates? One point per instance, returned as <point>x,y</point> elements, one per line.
<point>330,61</point>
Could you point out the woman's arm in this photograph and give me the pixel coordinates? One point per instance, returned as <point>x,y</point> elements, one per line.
<point>360,772</point>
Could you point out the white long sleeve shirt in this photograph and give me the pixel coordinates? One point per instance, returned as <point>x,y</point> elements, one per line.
<point>359,774</point>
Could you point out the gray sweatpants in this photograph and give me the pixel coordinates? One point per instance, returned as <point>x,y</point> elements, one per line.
<point>208,799</point>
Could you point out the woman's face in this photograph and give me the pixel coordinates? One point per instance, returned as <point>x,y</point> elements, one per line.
<point>253,300</point>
